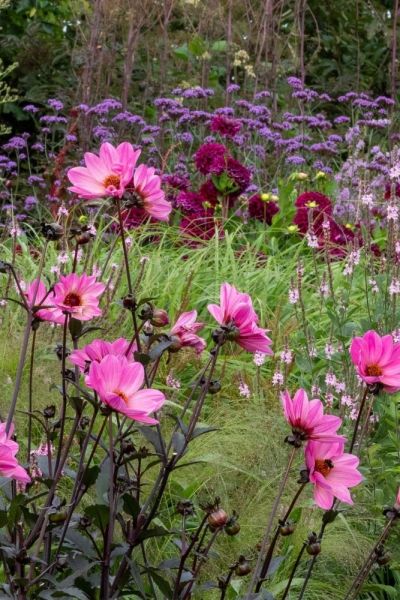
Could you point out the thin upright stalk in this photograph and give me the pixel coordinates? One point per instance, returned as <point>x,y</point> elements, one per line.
<point>20,369</point>
<point>256,574</point>
<point>30,395</point>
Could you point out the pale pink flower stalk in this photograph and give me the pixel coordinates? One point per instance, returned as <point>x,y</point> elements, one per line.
<point>377,360</point>
<point>236,314</point>
<point>185,331</point>
<point>36,294</point>
<point>105,175</point>
<point>78,295</point>
<point>9,466</point>
<point>332,472</point>
<point>98,349</point>
<point>118,381</point>
<point>307,419</point>
<point>148,193</point>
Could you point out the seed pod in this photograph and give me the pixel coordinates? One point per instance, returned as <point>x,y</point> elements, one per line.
<point>185,508</point>
<point>49,411</point>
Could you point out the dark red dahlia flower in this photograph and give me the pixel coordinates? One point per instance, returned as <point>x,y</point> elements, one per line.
<point>211,158</point>
<point>262,211</point>
<point>312,208</point>
<point>225,126</point>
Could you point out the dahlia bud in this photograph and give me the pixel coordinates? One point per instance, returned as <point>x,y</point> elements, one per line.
<point>52,231</point>
<point>129,302</point>
<point>243,567</point>
<point>382,556</point>
<point>49,411</point>
<point>214,386</point>
<point>217,518</point>
<point>313,546</point>
<point>286,528</point>
<point>159,318</point>
<point>232,527</point>
<point>176,344</point>
<point>83,238</point>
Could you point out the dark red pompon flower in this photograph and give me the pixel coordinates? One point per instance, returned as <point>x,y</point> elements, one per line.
<point>225,126</point>
<point>262,211</point>
<point>312,208</point>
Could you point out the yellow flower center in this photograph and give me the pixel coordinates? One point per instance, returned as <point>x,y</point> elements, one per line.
<point>323,466</point>
<point>311,204</point>
<point>123,396</point>
<point>112,181</point>
<point>373,370</point>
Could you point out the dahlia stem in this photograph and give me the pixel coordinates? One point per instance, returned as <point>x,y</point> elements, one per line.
<point>20,368</point>
<point>30,395</point>
<point>293,572</point>
<point>271,548</point>
<point>365,569</point>
<point>312,562</point>
<point>124,248</point>
<point>256,574</point>
<point>356,425</point>
<point>64,390</point>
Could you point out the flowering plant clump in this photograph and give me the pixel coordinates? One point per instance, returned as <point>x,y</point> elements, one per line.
<point>130,397</point>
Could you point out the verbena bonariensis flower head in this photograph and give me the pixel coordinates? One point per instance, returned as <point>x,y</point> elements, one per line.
<point>307,419</point>
<point>98,349</point>
<point>185,331</point>
<point>262,211</point>
<point>312,208</point>
<point>78,295</point>
<point>239,321</point>
<point>148,195</point>
<point>211,158</point>
<point>377,360</point>
<point>36,295</point>
<point>118,381</point>
<point>105,175</point>
<point>332,472</point>
<point>9,466</point>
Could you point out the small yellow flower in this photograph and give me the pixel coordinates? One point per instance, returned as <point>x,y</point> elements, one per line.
<point>301,176</point>
<point>274,197</point>
<point>83,219</point>
<point>349,226</point>
<point>320,175</point>
<point>293,229</point>
<point>265,197</point>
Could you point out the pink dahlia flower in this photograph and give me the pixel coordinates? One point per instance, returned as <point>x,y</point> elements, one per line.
<point>185,330</point>
<point>332,473</point>
<point>236,313</point>
<point>9,466</point>
<point>78,295</point>
<point>36,295</point>
<point>307,419</point>
<point>97,350</point>
<point>105,175</point>
<point>148,195</point>
<point>118,381</point>
<point>377,360</point>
